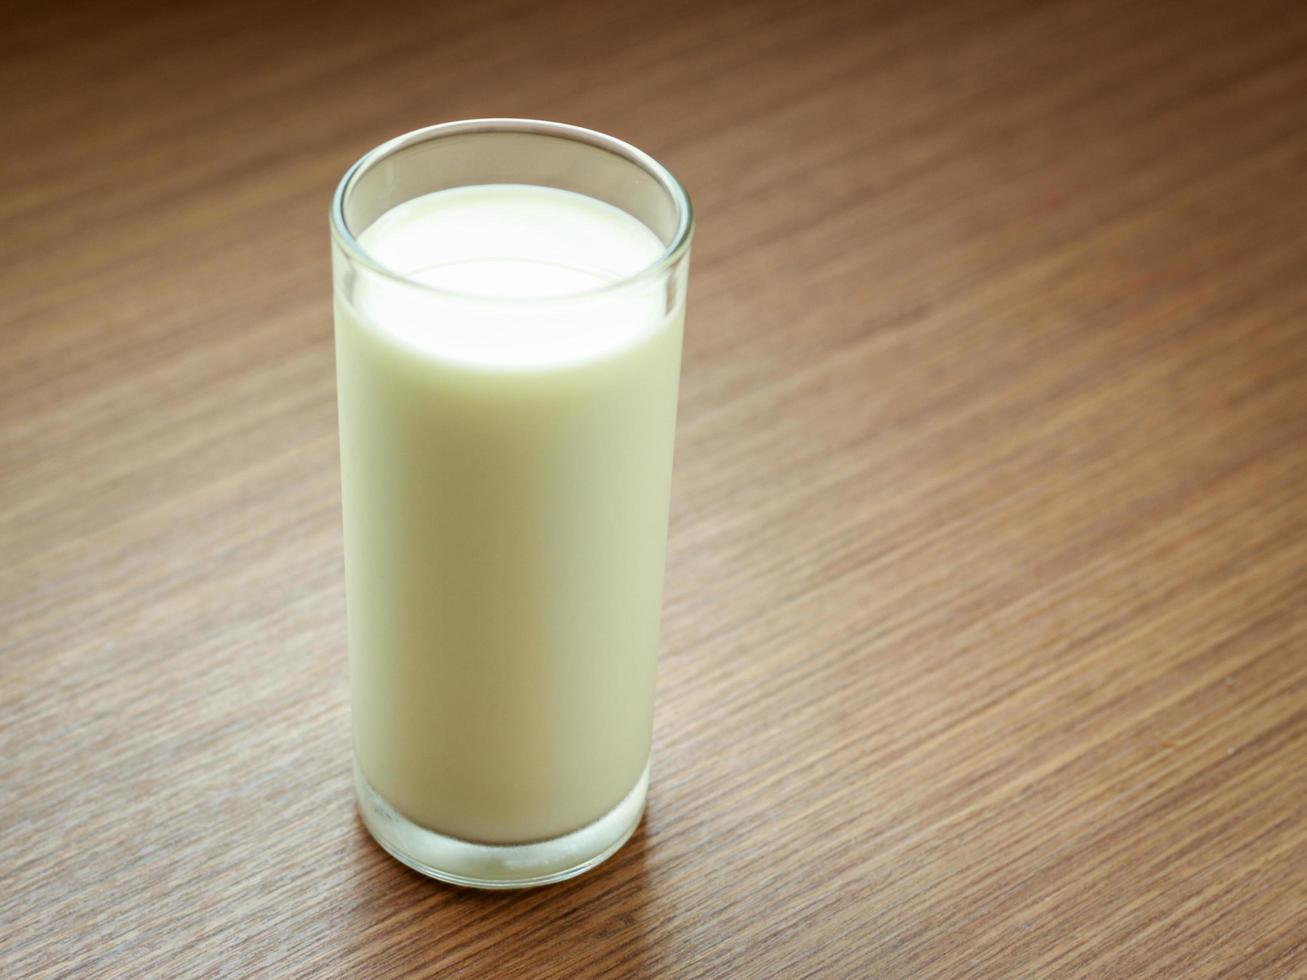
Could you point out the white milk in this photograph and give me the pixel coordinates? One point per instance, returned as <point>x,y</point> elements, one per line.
<point>506,452</point>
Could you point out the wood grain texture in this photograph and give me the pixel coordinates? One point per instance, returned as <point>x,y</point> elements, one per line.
<point>985,641</point>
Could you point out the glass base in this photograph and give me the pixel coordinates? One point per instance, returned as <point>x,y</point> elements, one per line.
<point>461,862</point>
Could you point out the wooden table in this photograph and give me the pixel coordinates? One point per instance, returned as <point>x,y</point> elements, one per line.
<point>985,642</point>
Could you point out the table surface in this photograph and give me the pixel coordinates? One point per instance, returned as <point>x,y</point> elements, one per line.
<point>985,633</point>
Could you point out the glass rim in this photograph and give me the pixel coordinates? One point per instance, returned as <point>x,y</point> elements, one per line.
<point>670,255</point>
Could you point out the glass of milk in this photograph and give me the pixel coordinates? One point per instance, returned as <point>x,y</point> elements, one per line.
<point>509,300</point>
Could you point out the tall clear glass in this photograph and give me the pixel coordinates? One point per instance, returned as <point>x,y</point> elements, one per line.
<point>506,461</point>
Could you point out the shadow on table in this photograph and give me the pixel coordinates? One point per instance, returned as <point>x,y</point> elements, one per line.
<point>598,920</point>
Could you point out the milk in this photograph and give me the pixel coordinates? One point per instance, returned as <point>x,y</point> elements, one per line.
<point>506,452</point>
